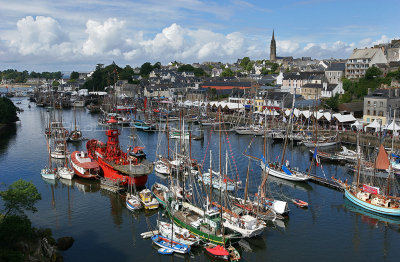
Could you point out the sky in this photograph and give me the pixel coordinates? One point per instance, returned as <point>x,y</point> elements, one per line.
<point>54,35</point>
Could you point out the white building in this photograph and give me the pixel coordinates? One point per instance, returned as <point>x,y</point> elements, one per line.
<point>362,59</point>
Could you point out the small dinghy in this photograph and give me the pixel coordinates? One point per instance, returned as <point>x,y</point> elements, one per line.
<point>132,202</point>
<point>167,243</point>
<point>300,203</point>
<point>220,252</point>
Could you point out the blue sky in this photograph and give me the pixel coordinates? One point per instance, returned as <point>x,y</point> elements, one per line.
<point>44,35</point>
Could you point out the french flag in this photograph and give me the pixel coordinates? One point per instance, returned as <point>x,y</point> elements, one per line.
<point>316,157</point>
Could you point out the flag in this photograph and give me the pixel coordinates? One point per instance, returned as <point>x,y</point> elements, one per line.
<point>316,157</point>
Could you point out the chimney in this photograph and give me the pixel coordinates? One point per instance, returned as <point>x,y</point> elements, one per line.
<point>369,91</point>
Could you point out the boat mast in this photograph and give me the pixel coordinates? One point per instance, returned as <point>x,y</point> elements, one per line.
<point>391,154</point>
<point>358,159</point>
<point>211,175</point>
<point>247,182</point>
<point>287,133</point>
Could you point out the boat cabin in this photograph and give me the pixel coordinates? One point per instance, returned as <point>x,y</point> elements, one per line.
<point>213,218</point>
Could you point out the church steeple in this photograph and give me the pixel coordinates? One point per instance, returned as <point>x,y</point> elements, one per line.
<point>272,53</point>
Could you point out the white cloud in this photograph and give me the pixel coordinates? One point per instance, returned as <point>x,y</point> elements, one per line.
<point>104,37</point>
<point>36,36</point>
<point>42,40</point>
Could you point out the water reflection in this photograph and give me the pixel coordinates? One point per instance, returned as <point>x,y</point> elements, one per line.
<point>7,135</point>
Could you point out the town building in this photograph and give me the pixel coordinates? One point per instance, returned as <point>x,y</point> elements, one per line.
<point>381,104</point>
<point>361,60</point>
<point>335,72</point>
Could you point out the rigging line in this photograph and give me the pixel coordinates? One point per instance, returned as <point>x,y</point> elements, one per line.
<point>208,144</point>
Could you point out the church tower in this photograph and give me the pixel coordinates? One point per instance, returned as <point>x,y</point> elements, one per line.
<point>272,53</point>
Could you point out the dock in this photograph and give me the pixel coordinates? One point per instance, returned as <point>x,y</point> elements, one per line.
<point>110,185</point>
<point>326,182</point>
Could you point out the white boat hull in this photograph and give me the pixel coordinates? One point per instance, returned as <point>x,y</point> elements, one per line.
<point>283,175</point>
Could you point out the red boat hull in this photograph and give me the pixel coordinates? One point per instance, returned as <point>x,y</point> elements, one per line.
<point>86,176</point>
<point>110,173</point>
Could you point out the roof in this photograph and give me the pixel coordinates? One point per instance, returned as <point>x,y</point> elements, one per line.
<point>379,93</point>
<point>352,107</point>
<point>312,86</point>
<point>336,67</point>
<point>344,118</point>
<point>364,53</point>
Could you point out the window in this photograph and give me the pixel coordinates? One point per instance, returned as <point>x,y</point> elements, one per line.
<point>369,102</point>
<point>374,103</point>
<point>374,112</point>
<point>380,113</point>
<point>369,112</point>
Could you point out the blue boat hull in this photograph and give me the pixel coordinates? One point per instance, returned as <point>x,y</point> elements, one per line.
<point>370,207</point>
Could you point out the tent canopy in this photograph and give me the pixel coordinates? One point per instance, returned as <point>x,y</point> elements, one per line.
<point>375,125</point>
<point>392,126</point>
<point>344,118</point>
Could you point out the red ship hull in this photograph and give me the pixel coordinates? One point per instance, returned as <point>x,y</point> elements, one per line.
<point>110,173</point>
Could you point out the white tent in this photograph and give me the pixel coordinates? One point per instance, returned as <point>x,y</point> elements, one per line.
<point>306,113</point>
<point>393,127</point>
<point>296,112</point>
<point>328,116</point>
<point>344,118</point>
<point>375,125</point>
<point>357,125</point>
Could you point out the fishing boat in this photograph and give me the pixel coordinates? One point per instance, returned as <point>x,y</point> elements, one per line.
<point>161,193</point>
<point>204,223</point>
<point>225,184</point>
<point>132,202</point>
<point>347,155</point>
<point>48,173</point>
<point>65,172</point>
<point>162,167</point>
<point>246,225</point>
<point>220,252</point>
<point>147,200</point>
<point>144,126</point>
<point>59,151</point>
<point>174,232</point>
<point>83,165</point>
<point>116,164</point>
<point>166,243</point>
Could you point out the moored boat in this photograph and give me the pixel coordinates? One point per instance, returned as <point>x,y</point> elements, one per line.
<point>116,164</point>
<point>83,165</point>
<point>132,202</point>
<point>165,242</point>
<point>147,200</point>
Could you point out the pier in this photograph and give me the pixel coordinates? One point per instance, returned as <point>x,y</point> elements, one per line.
<point>325,182</point>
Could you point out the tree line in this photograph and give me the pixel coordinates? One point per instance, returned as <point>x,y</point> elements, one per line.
<point>22,77</point>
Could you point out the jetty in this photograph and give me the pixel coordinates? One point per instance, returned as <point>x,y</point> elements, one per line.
<point>326,182</point>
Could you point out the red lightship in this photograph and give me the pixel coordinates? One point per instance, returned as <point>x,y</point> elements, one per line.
<point>116,164</point>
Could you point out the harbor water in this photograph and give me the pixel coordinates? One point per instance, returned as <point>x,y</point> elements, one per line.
<point>331,229</point>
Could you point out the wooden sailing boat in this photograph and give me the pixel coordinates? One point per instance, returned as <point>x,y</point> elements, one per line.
<point>76,134</point>
<point>370,196</point>
<point>282,170</point>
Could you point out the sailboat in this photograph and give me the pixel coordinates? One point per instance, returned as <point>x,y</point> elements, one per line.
<point>76,134</point>
<point>65,172</point>
<point>283,170</point>
<point>374,197</point>
<point>48,172</point>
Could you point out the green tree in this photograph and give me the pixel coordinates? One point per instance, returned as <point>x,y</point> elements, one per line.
<point>146,69</point>
<point>244,62</point>
<point>8,111</point>
<point>332,102</point>
<point>157,65</point>
<point>19,197</point>
<point>227,72</point>
<point>274,67</point>
<point>56,83</point>
<point>74,75</point>
<point>372,72</point>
